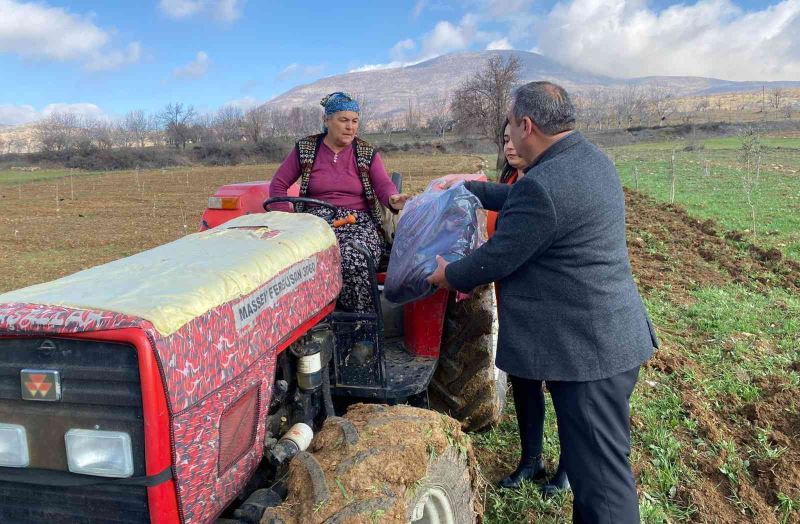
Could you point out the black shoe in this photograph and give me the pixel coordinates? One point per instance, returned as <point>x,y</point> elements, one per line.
<point>558,483</point>
<point>528,471</point>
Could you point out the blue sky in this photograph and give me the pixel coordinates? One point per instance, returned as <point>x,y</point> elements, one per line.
<point>107,57</point>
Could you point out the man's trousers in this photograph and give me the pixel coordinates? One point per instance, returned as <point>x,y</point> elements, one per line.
<point>594,429</point>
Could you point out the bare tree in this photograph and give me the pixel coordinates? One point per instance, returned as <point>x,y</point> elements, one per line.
<point>750,153</point>
<point>482,102</point>
<point>101,133</point>
<point>228,124</point>
<point>776,97</point>
<point>385,126</point>
<point>594,108</point>
<point>412,117</point>
<point>367,115</point>
<point>138,126</point>
<point>202,130</point>
<point>673,175</point>
<point>254,123</point>
<point>175,120</point>
<point>58,132</point>
<point>702,105</point>
<point>628,102</point>
<point>440,118</point>
<point>299,121</point>
<point>660,103</point>
<point>277,123</point>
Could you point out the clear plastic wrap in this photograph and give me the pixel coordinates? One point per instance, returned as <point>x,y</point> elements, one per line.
<point>436,222</point>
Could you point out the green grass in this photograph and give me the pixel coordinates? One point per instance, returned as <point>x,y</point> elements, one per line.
<point>744,334</point>
<point>723,143</point>
<point>711,184</point>
<point>10,177</point>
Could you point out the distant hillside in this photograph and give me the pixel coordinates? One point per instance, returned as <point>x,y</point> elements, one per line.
<point>390,90</point>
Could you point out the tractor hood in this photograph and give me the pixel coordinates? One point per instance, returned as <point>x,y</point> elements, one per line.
<point>172,284</point>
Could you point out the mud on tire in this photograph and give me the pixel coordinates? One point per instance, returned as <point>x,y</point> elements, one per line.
<point>467,385</point>
<point>382,464</point>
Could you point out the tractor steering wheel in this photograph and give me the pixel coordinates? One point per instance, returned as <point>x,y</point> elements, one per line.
<point>330,208</point>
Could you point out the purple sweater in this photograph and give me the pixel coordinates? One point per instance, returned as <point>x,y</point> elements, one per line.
<point>334,179</point>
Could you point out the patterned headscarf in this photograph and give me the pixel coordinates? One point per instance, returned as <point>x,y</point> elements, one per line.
<point>339,101</point>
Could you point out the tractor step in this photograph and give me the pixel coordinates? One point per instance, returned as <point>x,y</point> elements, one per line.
<point>406,375</point>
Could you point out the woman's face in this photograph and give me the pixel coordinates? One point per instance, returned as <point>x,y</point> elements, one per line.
<point>342,127</point>
<point>514,160</point>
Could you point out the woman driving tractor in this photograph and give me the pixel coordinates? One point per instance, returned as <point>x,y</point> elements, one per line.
<point>339,168</point>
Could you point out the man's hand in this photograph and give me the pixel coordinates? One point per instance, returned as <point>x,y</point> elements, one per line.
<point>398,201</point>
<point>438,277</point>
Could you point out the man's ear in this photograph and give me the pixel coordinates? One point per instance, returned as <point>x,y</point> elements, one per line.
<point>530,127</point>
<point>527,127</point>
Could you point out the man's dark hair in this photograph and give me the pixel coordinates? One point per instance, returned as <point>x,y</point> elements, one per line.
<point>547,104</point>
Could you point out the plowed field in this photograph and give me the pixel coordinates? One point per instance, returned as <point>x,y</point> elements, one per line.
<point>716,414</point>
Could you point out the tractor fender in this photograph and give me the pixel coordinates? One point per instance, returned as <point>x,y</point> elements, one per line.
<point>242,198</point>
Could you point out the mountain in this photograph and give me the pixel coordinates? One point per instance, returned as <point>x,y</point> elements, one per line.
<point>389,91</point>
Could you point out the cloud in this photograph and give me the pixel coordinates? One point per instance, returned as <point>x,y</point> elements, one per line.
<point>12,115</point>
<point>83,109</point>
<point>419,8</point>
<point>401,49</point>
<point>244,103</point>
<point>300,71</point>
<point>115,59</point>
<point>195,69</point>
<point>223,10</point>
<point>375,67</point>
<point>445,37</point>
<point>501,44</point>
<point>250,86</point>
<point>25,114</point>
<point>36,31</point>
<point>708,38</point>
<point>501,9</point>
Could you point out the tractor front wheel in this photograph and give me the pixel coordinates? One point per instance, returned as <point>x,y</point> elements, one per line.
<point>382,464</point>
<point>467,385</point>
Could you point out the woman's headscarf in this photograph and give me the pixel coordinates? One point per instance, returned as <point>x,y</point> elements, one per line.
<point>339,101</point>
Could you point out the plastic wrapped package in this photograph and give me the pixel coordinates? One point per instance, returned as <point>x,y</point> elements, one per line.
<point>436,222</point>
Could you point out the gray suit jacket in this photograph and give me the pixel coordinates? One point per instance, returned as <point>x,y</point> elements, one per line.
<point>568,306</point>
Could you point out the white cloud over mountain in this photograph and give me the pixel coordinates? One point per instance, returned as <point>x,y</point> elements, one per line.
<point>500,44</point>
<point>300,71</point>
<point>712,38</point>
<point>626,38</point>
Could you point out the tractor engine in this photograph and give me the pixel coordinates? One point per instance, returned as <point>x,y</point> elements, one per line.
<point>143,390</point>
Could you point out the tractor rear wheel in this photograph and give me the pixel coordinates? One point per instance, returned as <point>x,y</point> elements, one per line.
<point>382,464</point>
<point>467,385</point>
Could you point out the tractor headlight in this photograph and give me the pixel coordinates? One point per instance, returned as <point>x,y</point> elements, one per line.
<point>100,453</point>
<point>13,446</point>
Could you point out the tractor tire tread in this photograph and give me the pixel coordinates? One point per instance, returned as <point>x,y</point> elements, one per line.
<point>466,384</point>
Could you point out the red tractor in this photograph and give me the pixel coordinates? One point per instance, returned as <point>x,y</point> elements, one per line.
<point>213,378</point>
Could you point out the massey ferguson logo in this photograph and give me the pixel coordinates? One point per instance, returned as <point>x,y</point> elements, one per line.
<point>40,384</point>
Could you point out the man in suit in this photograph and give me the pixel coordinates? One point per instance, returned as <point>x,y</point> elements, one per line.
<point>570,313</point>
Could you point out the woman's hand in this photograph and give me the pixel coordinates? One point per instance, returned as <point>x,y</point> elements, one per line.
<point>398,201</point>
<point>449,183</point>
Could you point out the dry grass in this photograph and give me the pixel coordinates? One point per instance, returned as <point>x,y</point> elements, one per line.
<point>55,227</point>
